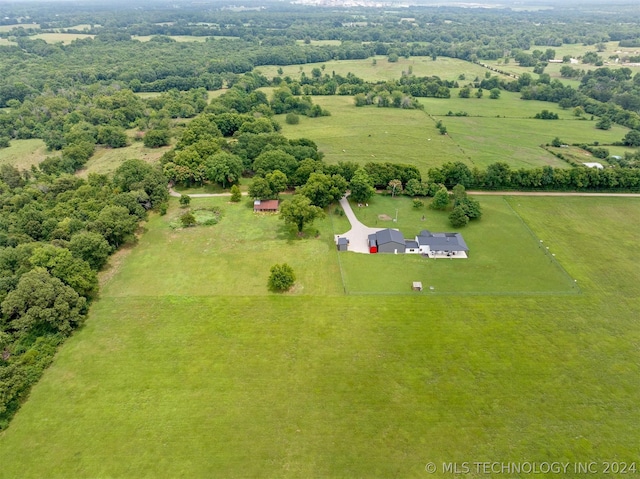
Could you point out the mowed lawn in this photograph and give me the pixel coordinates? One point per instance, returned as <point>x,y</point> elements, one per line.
<point>194,383</point>
<point>231,258</point>
<point>504,256</point>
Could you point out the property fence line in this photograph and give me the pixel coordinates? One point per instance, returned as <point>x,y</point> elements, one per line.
<point>344,284</point>
<point>575,288</point>
<point>572,281</point>
<point>416,294</point>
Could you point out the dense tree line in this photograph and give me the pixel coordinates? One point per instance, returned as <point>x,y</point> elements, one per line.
<point>500,175</point>
<point>56,232</point>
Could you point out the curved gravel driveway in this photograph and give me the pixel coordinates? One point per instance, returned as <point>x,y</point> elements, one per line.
<point>359,233</point>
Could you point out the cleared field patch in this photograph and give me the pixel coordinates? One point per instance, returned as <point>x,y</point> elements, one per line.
<point>8,28</point>
<point>367,134</point>
<point>24,153</point>
<point>65,38</point>
<point>80,27</point>
<point>517,141</point>
<point>106,160</point>
<point>504,257</point>
<point>445,68</point>
<point>177,38</point>
<point>321,42</point>
<point>230,258</point>
<point>576,50</point>
<point>495,130</point>
<point>509,105</point>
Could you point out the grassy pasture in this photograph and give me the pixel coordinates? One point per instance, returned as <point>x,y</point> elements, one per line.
<point>517,141</point>
<point>200,380</point>
<point>374,134</point>
<point>445,68</point>
<point>177,38</point>
<point>106,160</point>
<point>8,28</point>
<point>321,42</point>
<point>496,130</point>
<point>575,51</point>
<point>80,27</point>
<point>509,105</point>
<point>24,153</point>
<point>501,248</point>
<point>65,38</point>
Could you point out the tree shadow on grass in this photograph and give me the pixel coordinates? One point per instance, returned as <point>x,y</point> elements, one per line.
<point>290,233</point>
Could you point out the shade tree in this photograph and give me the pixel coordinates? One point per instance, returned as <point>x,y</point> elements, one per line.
<point>42,300</point>
<point>224,168</point>
<point>441,200</point>
<point>361,186</point>
<point>323,189</point>
<point>299,212</point>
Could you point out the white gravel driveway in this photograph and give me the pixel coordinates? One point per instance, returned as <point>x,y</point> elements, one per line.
<point>359,233</point>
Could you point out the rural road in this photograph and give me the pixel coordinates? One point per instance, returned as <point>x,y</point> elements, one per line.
<point>549,193</point>
<point>172,192</point>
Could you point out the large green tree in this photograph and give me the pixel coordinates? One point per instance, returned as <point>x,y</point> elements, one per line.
<point>260,189</point>
<point>277,182</point>
<point>41,300</point>
<point>272,160</point>
<point>115,224</point>
<point>440,200</point>
<point>298,211</point>
<point>91,247</point>
<point>323,189</point>
<point>361,186</point>
<point>224,168</point>
<point>72,271</point>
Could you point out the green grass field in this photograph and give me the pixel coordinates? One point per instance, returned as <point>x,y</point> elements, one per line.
<point>24,153</point>
<point>374,134</point>
<point>188,367</point>
<point>177,38</point>
<point>231,258</point>
<point>495,130</point>
<point>65,38</point>
<point>445,68</point>
<point>106,160</point>
<point>501,248</point>
<point>8,28</point>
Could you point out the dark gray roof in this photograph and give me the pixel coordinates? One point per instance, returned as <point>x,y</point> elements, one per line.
<point>343,241</point>
<point>442,241</point>
<point>372,239</point>
<point>411,244</point>
<point>389,236</point>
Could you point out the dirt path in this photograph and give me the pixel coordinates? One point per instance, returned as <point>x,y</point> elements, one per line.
<point>550,193</point>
